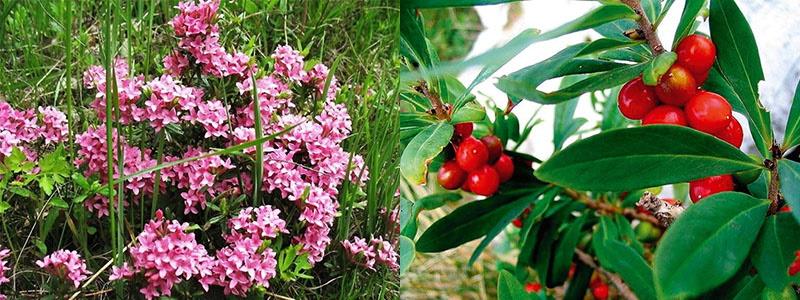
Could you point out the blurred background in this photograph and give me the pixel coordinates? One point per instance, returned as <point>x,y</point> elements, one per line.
<point>459,33</point>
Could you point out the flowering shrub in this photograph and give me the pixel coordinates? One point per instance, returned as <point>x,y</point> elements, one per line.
<point>368,254</point>
<point>221,171</point>
<point>65,264</point>
<point>21,128</point>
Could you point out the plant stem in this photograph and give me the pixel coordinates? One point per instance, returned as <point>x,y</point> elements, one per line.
<point>647,28</point>
<point>439,109</point>
<point>623,289</point>
<point>774,191</point>
<point>610,209</point>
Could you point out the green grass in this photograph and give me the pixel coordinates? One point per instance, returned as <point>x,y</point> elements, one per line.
<point>46,45</point>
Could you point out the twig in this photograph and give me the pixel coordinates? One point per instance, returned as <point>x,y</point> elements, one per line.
<point>439,108</point>
<point>623,289</point>
<point>774,192</point>
<point>611,209</point>
<point>646,27</point>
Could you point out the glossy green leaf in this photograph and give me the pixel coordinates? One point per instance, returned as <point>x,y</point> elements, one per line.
<point>407,253</point>
<point>752,289</point>
<point>515,209</point>
<point>564,124</point>
<point>413,44</point>
<point>686,25</point>
<point>774,250</point>
<point>468,222</point>
<point>657,67</point>
<point>713,234</point>
<point>449,3</point>
<point>500,56</point>
<point>565,250</point>
<point>740,64</point>
<point>471,112</point>
<point>640,157</point>
<point>509,288</point>
<point>792,136</point>
<point>789,172</point>
<point>422,149</point>
<point>429,202</point>
<point>579,284</point>
<point>632,268</point>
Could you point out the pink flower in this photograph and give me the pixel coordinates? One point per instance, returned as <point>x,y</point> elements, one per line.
<point>195,19</point>
<point>122,272</point>
<point>65,264</point>
<point>197,176</point>
<point>4,254</point>
<point>55,125</point>
<point>377,251</point>
<point>175,63</point>
<point>166,254</point>
<point>240,266</point>
<point>289,63</point>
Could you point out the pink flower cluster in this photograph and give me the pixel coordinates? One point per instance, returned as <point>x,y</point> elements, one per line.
<point>19,128</point>
<point>198,177</point>
<point>92,154</point>
<point>65,264</point>
<point>165,254</point>
<point>245,262</point>
<point>4,253</point>
<point>200,38</point>
<point>129,90</point>
<point>368,254</point>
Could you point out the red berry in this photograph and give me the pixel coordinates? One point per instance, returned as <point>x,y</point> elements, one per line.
<point>665,114</point>
<point>786,208</point>
<point>533,287</point>
<point>794,268</point>
<point>708,112</point>
<point>471,154</point>
<point>636,99</point>
<point>732,133</point>
<point>494,145</point>
<point>484,181</point>
<point>451,176</point>
<point>696,53</point>
<point>517,222</point>
<point>504,167</point>
<point>701,188</point>
<point>600,292</point>
<point>701,78</point>
<point>676,86</point>
<point>463,129</point>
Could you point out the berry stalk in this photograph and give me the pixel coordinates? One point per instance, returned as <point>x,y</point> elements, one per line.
<point>646,27</point>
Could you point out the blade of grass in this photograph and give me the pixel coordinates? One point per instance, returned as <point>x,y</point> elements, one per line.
<point>259,162</point>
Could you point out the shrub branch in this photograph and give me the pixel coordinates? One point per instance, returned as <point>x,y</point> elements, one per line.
<point>608,208</point>
<point>647,28</point>
<point>623,289</point>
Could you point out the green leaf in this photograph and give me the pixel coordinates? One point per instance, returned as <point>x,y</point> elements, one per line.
<point>449,3</point>
<point>713,234</point>
<point>422,149</point>
<point>4,206</point>
<point>566,250</point>
<point>640,157</point>
<point>60,203</point>
<point>407,254</point>
<point>426,203</point>
<point>516,208</point>
<point>792,137</point>
<point>564,124</point>
<point>740,65</point>
<point>632,268</point>
<point>691,10</point>
<point>789,172</point>
<point>579,283</point>
<point>471,112</point>
<point>500,56</point>
<point>774,250</point>
<point>657,67</point>
<point>413,44</point>
<point>468,222</point>
<point>523,83</point>
<point>509,288</point>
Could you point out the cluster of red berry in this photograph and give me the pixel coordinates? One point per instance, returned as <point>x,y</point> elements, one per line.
<point>794,268</point>
<point>479,165</point>
<point>677,100</point>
